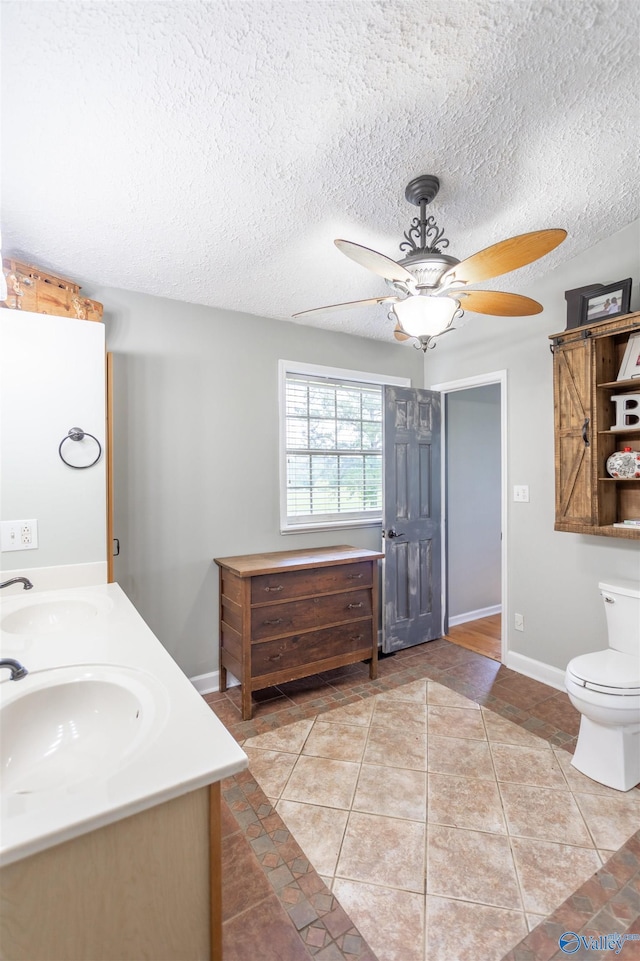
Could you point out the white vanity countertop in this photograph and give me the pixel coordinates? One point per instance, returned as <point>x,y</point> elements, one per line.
<point>187,747</point>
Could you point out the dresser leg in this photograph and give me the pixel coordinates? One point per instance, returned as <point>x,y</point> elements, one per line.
<point>246,702</point>
<point>373,666</point>
<point>223,679</point>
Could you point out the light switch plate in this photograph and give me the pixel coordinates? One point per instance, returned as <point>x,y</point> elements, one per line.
<point>521,493</point>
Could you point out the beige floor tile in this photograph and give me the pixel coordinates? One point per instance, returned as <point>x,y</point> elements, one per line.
<point>342,742</point>
<point>413,691</point>
<point>271,769</point>
<point>289,738</point>
<point>526,765</point>
<point>392,922</point>
<point>320,780</point>
<point>358,714</point>
<point>318,831</point>
<point>613,822</point>
<point>455,722</point>
<point>445,697</point>
<point>550,872</point>
<point>399,715</point>
<point>535,812</point>
<point>605,855</point>
<point>533,920</point>
<point>463,802</point>
<point>506,732</point>
<point>405,747</point>
<point>383,850</point>
<point>458,755</point>
<point>391,791</point>
<point>462,931</point>
<point>579,783</point>
<point>471,866</point>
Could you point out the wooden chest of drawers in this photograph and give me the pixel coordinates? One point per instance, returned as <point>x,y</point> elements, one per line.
<point>288,614</point>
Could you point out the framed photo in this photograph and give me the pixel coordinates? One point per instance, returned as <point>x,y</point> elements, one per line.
<point>609,301</point>
<point>574,303</point>
<point>630,367</point>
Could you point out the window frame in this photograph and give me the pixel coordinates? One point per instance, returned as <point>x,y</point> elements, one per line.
<point>285,367</point>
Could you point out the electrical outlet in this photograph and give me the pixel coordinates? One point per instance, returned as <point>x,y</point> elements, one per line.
<point>19,535</point>
<point>518,620</point>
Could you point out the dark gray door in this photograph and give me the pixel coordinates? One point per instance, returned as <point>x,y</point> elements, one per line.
<point>412,603</point>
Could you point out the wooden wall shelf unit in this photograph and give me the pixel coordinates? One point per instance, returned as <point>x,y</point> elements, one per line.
<point>586,363</point>
<point>289,614</point>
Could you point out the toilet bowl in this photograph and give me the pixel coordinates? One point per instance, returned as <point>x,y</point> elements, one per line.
<point>605,687</point>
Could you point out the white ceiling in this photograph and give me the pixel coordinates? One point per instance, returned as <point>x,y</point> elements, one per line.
<point>211,151</point>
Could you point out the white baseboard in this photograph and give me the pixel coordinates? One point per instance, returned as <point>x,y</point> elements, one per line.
<point>537,670</point>
<point>475,615</point>
<point>209,683</point>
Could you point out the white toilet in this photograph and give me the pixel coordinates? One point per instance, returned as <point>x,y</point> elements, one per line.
<point>605,688</point>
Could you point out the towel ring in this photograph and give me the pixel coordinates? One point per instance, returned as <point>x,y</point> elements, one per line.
<point>77,433</point>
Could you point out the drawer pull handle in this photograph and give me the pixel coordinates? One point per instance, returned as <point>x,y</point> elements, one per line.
<point>280,587</point>
<point>278,620</point>
<point>352,607</point>
<point>357,637</point>
<point>354,577</point>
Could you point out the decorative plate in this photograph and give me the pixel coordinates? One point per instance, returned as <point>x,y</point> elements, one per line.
<point>624,463</point>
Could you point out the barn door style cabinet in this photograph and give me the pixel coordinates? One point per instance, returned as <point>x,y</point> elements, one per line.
<point>587,428</point>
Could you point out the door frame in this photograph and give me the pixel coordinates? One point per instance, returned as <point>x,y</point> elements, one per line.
<point>467,383</point>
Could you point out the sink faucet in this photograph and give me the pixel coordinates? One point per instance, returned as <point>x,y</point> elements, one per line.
<point>26,583</point>
<point>17,669</point>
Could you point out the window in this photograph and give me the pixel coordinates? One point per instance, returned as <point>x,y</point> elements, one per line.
<point>331,446</point>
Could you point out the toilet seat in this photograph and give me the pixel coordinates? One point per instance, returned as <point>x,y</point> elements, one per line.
<point>609,672</point>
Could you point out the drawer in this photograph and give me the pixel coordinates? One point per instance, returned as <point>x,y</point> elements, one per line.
<point>274,620</point>
<point>288,653</point>
<point>318,580</point>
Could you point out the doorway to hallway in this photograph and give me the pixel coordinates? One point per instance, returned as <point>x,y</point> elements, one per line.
<point>474,512</point>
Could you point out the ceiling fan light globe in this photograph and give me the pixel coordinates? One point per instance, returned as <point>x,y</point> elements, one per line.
<point>422,316</point>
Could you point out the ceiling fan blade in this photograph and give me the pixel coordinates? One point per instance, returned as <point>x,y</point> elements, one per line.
<point>374,261</point>
<point>399,333</point>
<point>496,302</point>
<point>350,303</point>
<point>505,256</point>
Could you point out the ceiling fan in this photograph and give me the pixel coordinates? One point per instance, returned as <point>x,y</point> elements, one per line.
<point>430,287</point>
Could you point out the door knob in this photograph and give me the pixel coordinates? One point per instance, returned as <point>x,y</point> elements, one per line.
<point>392,532</point>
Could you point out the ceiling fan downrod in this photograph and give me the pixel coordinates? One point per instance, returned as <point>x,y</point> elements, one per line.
<point>420,192</point>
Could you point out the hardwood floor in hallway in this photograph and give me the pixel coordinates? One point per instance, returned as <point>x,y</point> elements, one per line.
<point>483,636</point>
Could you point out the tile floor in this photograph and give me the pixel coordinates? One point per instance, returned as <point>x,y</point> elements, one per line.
<point>339,829</point>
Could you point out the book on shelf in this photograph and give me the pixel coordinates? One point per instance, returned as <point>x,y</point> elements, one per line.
<point>630,523</point>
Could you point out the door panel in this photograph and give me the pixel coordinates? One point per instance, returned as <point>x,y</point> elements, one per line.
<point>411,518</point>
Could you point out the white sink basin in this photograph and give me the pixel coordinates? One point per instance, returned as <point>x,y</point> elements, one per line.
<point>73,724</point>
<point>50,616</point>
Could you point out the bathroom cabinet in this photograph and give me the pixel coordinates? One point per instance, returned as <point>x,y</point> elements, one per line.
<point>145,888</point>
<point>587,360</point>
<point>288,614</point>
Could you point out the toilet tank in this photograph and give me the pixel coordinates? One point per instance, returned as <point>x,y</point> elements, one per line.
<point>622,608</point>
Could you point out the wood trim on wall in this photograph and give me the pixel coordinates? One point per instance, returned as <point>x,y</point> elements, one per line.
<point>109,435</point>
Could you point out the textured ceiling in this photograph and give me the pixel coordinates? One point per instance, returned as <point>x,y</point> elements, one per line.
<point>211,151</point>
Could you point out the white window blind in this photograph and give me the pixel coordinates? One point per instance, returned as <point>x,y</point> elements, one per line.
<point>333,449</point>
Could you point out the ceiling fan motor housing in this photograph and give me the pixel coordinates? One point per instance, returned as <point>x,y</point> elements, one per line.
<point>428,269</point>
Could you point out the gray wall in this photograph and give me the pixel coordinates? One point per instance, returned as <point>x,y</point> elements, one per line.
<point>552,576</point>
<point>196,451</point>
<point>473,499</point>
